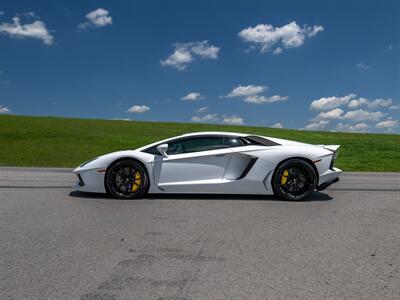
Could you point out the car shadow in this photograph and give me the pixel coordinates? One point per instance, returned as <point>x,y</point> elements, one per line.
<point>316,196</point>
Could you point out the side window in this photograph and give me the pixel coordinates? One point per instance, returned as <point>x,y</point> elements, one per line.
<point>195,144</point>
<point>233,142</point>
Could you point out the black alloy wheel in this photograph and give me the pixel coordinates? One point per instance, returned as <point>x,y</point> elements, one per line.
<point>294,180</point>
<point>127,179</point>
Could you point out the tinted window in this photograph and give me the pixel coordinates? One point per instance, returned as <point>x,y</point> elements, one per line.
<point>257,140</point>
<point>233,142</point>
<point>197,144</point>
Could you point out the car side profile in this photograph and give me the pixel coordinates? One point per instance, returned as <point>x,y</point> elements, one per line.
<point>213,163</point>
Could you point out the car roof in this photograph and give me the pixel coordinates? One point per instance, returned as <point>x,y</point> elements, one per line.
<point>214,133</point>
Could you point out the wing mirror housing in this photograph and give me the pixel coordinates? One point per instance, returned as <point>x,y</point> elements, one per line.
<point>163,149</point>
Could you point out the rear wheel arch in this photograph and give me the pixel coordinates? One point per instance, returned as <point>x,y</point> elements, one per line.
<point>297,157</point>
<point>303,179</point>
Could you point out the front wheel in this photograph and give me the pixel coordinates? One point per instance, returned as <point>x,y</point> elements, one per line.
<point>127,179</point>
<point>294,180</point>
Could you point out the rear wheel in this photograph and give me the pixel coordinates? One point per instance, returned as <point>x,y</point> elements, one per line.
<point>295,180</point>
<point>127,179</point>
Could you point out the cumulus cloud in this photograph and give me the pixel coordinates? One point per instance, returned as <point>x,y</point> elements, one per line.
<point>335,113</point>
<point>4,110</point>
<point>206,118</point>
<point>380,103</point>
<point>350,100</point>
<point>355,103</point>
<point>363,115</point>
<point>138,109</point>
<point>363,66</point>
<point>97,18</point>
<point>326,103</point>
<point>36,30</point>
<point>359,127</point>
<point>202,109</point>
<point>260,99</point>
<point>319,125</point>
<point>233,120</point>
<point>252,94</point>
<point>277,125</point>
<point>185,53</point>
<point>268,37</point>
<point>246,90</point>
<point>387,124</point>
<point>193,96</point>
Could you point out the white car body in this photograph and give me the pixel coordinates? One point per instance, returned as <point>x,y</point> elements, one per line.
<point>238,170</point>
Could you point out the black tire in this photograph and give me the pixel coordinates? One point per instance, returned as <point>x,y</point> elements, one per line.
<point>294,180</point>
<point>127,179</point>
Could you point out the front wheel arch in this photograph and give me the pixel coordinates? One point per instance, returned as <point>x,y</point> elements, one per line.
<point>126,158</point>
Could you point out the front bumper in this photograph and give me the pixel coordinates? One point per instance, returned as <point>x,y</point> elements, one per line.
<point>90,181</point>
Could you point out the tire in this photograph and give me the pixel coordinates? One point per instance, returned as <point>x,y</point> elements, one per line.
<point>294,180</point>
<point>127,179</point>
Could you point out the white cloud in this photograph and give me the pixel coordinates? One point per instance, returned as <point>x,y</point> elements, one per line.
<point>277,125</point>
<point>185,53</point>
<point>260,99</point>
<point>98,18</point>
<point>233,120</point>
<point>4,110</point>
<point>288,36</point>
<point>193,96</point>
<point>326,103</point>
<point>204,50</point>
<point>179,59</point>
<point>394,107</point>
<point>202,109</point>
<point>246,90</point>
<point>251,94</point>
<point>205,118</point>
<point>388,124</point>
<point>139,109</point>
<point>335,113</point>
<point>363,115</point>
<point>371,104</point>
<point>363,66</point>
<point>380,103</point>
<point>358,102</point>
<point>278,50</point>
<point>320,125</point>
<point>359,127</point>
<point>37,30</point>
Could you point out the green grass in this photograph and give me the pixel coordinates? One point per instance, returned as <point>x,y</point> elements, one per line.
<point>62,142</point>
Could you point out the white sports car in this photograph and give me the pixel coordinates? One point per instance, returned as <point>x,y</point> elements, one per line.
<point>214,163</point>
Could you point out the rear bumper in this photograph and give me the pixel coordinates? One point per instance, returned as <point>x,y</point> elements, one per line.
<point>323,186</point>
<point>329,177</point>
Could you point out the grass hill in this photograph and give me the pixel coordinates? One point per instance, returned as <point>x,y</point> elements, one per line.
<point>64,142</point>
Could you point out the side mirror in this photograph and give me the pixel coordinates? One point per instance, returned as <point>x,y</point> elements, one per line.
<point>163,149</point>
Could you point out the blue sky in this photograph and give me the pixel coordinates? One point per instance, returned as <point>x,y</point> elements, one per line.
<point>316,65</point>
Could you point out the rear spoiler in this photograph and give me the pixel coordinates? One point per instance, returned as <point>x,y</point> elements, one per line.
<point>333,148</point>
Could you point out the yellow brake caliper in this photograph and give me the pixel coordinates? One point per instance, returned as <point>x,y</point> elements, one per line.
<point>284,177</point>
<point>137,182</point>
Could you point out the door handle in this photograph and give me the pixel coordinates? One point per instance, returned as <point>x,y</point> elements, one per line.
<point>219,155</point>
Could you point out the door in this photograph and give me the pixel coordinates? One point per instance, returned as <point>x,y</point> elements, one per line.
<point>191,162</point>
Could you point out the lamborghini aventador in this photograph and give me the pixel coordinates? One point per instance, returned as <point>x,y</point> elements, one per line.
<point>214,163</point>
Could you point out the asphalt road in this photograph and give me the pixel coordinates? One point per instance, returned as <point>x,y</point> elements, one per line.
<point>343,244</point>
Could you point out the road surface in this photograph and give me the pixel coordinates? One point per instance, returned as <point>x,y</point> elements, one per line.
<point>343,244</point>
